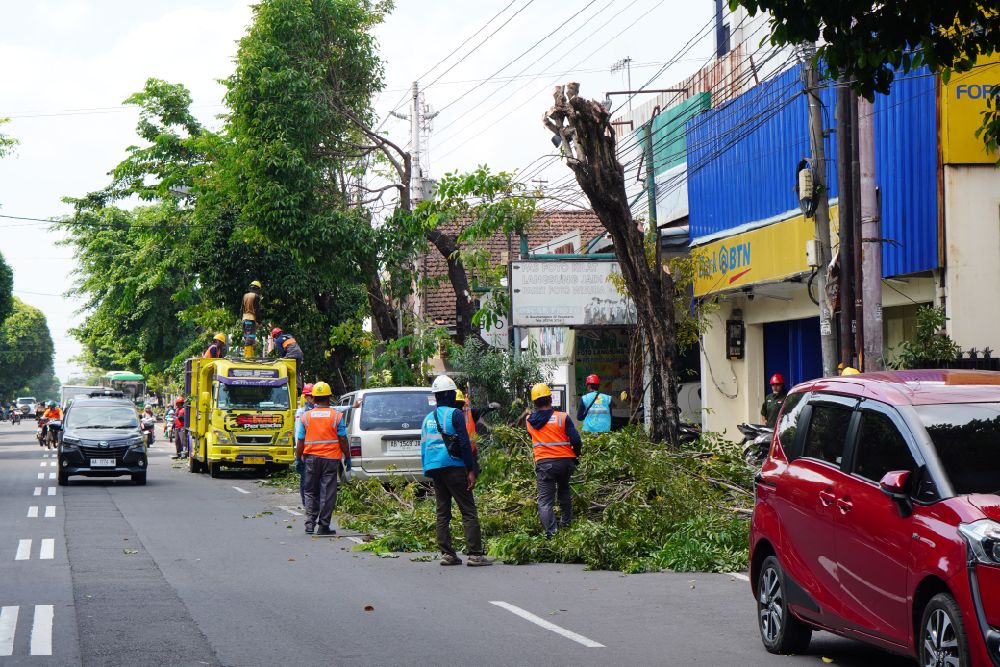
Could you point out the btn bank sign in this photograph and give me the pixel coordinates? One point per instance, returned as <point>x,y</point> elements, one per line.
<point>774,252</point>
<point>963,101</point>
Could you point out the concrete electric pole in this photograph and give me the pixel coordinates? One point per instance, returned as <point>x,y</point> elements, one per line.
<point>828,341</point>
<point>871,239</point>
<point>419,118</point>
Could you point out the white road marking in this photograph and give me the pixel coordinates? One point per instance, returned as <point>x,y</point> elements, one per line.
<point>290,510</point>
<point>541,622</point>
<point>43,463</point>
<point>52,491</point>
<point>23,550</point>
<point>241,490</point>
<point>48,550</point>
<point>52,463</point>
<point>41,630</point>
<point>739,575</point>
<point>50,511</point>
<point>355,539</point>
<point>8,623</point>
<point>41,475</point>
<point>38,491</point>
<point>52,475</point>
<point>33,511</point>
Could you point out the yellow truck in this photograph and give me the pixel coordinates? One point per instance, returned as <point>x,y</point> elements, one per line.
<point>241,414</point>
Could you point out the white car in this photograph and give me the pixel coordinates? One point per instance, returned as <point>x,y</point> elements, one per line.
<point>383,430</point>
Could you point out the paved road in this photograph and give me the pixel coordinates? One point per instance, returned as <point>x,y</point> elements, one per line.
<point>194,571</point>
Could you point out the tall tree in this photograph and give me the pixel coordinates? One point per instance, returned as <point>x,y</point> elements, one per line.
<point>26,347</point>
<point>6,289</point>
<point>588,139</point>
<point>869,42</point>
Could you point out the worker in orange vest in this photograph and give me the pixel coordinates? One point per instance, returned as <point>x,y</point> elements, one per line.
<point>472,417</point>
<point>556,445</point>
<point>321,444</point>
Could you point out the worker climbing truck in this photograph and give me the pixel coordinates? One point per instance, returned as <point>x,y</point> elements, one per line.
<point>239,414</point>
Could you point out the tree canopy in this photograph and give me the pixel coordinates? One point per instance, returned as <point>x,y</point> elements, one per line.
<point>26,348</point>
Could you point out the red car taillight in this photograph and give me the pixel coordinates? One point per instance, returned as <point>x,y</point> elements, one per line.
<point>355,446</point>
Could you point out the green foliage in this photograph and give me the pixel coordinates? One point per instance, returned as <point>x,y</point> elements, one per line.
<point>7,143</point>
<point>6,289</point>
<point>639,507</point>
<point>495,375</point>
<point>870,43</point>
<point>931,344</point>
<point>404,361</point>
<point>26,348</point>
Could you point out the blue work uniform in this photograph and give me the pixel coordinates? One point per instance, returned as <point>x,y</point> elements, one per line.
<point>597,407</point>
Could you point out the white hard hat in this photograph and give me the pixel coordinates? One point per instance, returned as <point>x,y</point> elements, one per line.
<point>443,383</point>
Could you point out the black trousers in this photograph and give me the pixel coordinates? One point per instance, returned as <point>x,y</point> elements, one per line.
<point>552,477</point>
<point>320,489</point>
<point>451,483</point>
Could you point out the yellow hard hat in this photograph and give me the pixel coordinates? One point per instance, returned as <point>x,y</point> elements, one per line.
<point>321,389</point>
<point>256,284</point>
<point>459,396</point>
<point>849,370</point>
<point>221,337</point>
<point>540,390</point>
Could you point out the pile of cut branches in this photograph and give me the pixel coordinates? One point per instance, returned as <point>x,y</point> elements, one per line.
<point>638,506</point>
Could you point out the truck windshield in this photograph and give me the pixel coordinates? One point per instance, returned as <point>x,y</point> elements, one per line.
<point>966,437</point>
<point>102,416</point>
<point>252,397</point>
<point>395,411</point>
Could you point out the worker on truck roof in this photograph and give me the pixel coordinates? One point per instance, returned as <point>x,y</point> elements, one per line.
<point>288,348</point>
<point>217,348</point>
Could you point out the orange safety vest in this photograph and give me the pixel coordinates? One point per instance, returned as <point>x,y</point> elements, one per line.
<point>470,426</point>
<point>321,432</point>
<point>52,413</point>
<point>551,441</point>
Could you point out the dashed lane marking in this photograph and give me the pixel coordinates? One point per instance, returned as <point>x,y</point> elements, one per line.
<point>51,491</point>
<point>23,550</point>
<point>542,623</point>
<point>41,630</point>
<point>33,512</point>
<point>38,491</point>
<point>50,511</point>
<point>8,625</point>
<point>48,550</point>
<point>41,475</point>
<point>241,490</point>
<point>52,475</point>
<point>290,510</point>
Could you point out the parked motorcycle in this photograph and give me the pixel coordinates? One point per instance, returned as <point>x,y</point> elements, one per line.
<point>688,433</point>
<point>148,426</point>
<point>756,442</point>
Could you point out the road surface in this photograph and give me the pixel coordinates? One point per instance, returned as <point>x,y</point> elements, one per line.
<point>194,571</point>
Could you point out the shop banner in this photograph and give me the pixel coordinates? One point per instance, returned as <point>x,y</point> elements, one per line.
<point>963,101</point>
<point>569,293</point>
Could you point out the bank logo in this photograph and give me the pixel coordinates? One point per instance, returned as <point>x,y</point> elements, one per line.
<point>977,91</point>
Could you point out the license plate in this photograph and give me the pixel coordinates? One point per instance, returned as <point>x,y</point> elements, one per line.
<point>403,445</point>
<point>254,460</point>
<point>97,463</point>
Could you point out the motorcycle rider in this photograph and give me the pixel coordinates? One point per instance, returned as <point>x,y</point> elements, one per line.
<point>147,421</point>
<point>52,412</point>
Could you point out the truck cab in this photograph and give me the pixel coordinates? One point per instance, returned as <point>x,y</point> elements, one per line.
<point>240,414</point>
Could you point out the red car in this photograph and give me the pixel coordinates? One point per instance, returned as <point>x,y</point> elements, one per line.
<point>877,516</point>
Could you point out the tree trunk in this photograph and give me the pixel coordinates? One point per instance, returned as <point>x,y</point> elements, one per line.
<point>383,317</point>
<point>590,144</point>
<point>465,307</point>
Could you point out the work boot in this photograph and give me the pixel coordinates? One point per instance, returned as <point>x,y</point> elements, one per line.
<point>310,529</point>
<point>325,530</point>
<point>450,559</point>
<point>478,561</point>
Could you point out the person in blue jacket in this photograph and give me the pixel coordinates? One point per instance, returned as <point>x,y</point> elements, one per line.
<point>594,410</point>
<point>453,476</point>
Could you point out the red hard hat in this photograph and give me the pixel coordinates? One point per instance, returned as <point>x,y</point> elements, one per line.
<point>179,400</point>
<point>275,331</point>
<point>777,378</point>
<point>592,379</point>
<point>307,389</point>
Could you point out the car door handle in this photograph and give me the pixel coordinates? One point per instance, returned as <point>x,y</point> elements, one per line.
<point>845,505</point>
<point>826,498</point>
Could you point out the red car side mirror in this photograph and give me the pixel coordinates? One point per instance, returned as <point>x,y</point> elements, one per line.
<point>896,485</point>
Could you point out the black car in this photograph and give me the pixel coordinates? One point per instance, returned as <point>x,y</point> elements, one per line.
<point>101,438</point>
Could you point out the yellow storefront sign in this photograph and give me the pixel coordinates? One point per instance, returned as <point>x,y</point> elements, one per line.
<point>770,253</point>
<point>963,101</point>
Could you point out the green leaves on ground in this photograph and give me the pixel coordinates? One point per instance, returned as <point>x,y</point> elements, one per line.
<point>639,506</point>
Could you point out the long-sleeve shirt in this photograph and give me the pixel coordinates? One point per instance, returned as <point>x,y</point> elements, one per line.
<point>468,458</point>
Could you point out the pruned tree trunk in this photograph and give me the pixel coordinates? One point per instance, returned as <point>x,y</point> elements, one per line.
<point>589,141</point>
<point>465,308</point>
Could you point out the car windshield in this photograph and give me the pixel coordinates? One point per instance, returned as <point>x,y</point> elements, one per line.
<point>25,401</point>
<point>967,439</point>
<point>395,411</point>
<point>253,397</point>
<point>102,416</point>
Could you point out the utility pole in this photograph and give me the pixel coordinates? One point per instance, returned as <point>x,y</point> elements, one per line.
<point>845,182</point>
<point>828,341</point>
<point>418,118</point>
<point>871,239</point>
<point>626,64</point>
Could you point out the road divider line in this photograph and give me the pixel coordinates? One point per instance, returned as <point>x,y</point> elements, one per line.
<point>41,475</point>
<point>43,463</point>
<point>542,623</point>
<point>52,475</point>
<point>52,491</point>
<point>41,630</point>
<point>23,550</point>
<point>50,511</point>
<point>33,511</point>
<point>290,510</point>
<point>48,550</point>
<point>8,624</point>
<point>38,491</point>
<point>241,490</point>
<point>52,463</point>
<point>739,575</point>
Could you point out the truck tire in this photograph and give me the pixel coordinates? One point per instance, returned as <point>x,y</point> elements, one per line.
<point>194,465</point>
<point>214,469</point>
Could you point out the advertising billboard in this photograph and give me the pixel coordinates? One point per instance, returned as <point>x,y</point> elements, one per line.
<point>568,293</point>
